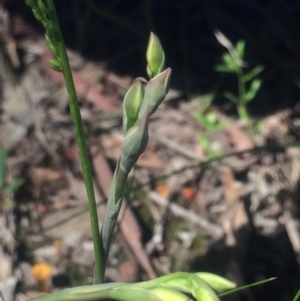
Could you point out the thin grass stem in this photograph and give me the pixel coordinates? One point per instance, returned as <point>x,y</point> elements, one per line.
<point>83,150</point>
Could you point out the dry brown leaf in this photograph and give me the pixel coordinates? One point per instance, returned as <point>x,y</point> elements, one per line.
<point>112,145</point>
<point>41,175</point>
<point>239,139</point>
<point>236,217</point>
<point>149,160</point>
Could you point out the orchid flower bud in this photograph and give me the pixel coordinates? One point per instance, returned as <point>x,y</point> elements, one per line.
<point>132,104</point>
<point>155,56</point>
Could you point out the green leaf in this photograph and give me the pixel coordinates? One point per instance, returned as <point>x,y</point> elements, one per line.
<point>14,185</point>
<point>231,97</point>
<point>253,73</point>
<point>230,63</point>
<point>240,49</point>
<point>207,101</point>
<point>224,69</point>
<point>204,142</point>
<point>297,296</point>
<point>255,86</point>
<point>2,166</point>
<point>244,287</point>
<point>201,119</point>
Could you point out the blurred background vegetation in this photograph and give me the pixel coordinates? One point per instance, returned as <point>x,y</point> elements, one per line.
<point>116,33</point>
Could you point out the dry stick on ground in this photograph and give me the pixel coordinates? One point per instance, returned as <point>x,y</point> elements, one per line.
<point>213,230</point>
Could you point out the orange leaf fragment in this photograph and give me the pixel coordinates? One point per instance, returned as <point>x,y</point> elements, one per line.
<point>188,193</point>
<point>163,191</point>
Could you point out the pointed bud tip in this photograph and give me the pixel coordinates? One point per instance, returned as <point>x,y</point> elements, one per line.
<point>155,56</point>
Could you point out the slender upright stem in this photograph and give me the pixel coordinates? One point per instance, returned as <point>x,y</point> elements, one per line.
<point>241,105</point>
<point>83,151</point>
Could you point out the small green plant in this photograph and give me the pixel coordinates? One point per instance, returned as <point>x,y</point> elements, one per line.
<point>211,124</point>
<point>7,186</point>
<point>248,83</point>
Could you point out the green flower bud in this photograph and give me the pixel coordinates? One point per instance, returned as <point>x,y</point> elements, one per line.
<point>155,92</point>
<point>55,65</point>
<point>155,56</point>
<point>200,289</point>
<point>30,3</point>
<point>178,281</point>
<point>218,283</point>
<point>167,294</point>
<point>204,295</point>
<point>43,8</point>
<point>130,293</point>
<point>132,104</point>
<point>134,144</point>
<point>37,14</point>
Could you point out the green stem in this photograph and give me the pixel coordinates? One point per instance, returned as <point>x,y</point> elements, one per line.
<point>83,151</point>
<point>243,113</point>
<point>241,106</point>
<point>112,211</point>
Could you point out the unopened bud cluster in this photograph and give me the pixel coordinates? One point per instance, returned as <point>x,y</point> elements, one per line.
<point>45,14</point>
<point>142,100</point>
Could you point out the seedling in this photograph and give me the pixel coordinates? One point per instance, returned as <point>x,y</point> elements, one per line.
<point>211,124</point>
<point>248,83</point>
